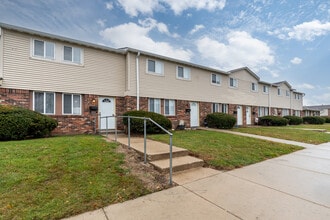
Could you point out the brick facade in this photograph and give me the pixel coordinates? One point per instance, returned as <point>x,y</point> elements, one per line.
<point>15,97</point>
<point>87,122</point>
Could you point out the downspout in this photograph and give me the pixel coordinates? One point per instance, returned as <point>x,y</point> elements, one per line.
<point>291,102</point>
<point>137,82</point>
<point>1,55</point>
<point>269,100</point>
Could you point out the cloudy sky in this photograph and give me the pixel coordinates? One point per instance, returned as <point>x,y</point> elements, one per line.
<point>277,39</point>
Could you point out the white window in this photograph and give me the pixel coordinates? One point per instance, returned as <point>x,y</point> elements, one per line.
<point>71,104</point>
<point>215,79</point>
<point>72,54</point>
<point>154,105</point>
<point>285,112</point>
<point>233,82</point>
<point>44,49</point>
<point>215,107</point>
<point>263,111</point>
<point>224,108</point>
<point>169,107</point>
<point>297,113</point>
<point>287,93</point>
<point>254,87</point>
<point>265,89</point>
<point>155,67</point>
<point>183,73</point>
<point>297,96</point>
<point>279,91</point>
<point>44,102</point>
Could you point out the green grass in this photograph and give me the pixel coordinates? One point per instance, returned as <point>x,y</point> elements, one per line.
<point>62,176</point>
<point>294,133</point>
<point>325,126</point>
<point>226,151</point>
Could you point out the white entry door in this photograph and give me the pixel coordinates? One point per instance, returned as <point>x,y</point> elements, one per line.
<point>239,116</point>
<point>248,115</point>
<point>107,108</point>
<point>194,115</point>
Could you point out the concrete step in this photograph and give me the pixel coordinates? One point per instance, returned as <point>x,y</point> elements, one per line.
<point>155,150</point>
<point>178,164</point>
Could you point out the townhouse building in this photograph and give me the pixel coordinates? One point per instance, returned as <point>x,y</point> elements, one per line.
<point>77,83</point>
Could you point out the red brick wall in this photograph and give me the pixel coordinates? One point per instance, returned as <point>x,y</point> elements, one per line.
<point>15,97</point>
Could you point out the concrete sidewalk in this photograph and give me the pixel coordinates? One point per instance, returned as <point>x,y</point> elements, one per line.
<point>294,186</point>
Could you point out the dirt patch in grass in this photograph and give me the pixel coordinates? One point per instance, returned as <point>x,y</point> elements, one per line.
<point>152,179</point>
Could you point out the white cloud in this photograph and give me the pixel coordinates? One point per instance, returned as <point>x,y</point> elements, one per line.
<point>134,7</point>
<point>196,28</point>
<point>307,31</point>
<point>180,5</point>
<point>305,86</point>
<point>296,60</point>
<point>109,5</point>
<point>241,49</point>
<point>101,22</point>
<point>137,36</point>
<point>317,99</point>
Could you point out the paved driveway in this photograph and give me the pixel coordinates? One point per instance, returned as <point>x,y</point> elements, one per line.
<point>295,186</point>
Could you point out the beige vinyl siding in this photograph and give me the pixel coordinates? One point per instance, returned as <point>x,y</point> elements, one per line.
<point>1,53</point>
<point>198,88</point>
<point>280,101</point>
<point>102,72</point>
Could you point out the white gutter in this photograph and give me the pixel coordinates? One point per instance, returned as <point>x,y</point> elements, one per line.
<point>1,56</point>
<point>269,100</point>
<point>137,82</point>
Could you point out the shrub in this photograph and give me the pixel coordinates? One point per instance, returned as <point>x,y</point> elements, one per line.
<point>272,121</point>
<point>18,123</point>
<point>327,119</point>
<point>137,125</point>
<point>316,120</point>
<point>220,120</point>
<point>293,120</point>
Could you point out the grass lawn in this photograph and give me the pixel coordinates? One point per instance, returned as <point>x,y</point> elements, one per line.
<point>325,126</point>
<point>59,177</point>
<point>293,132</point>
<point>226,151</point>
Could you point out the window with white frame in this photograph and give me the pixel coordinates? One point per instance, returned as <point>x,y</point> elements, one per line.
<point>297,113</point>
<point>215,107</point>
<point>72,54</point>
<point>233,82</point>
<point>263,111</point>
<point>265,89</point>
<point>154,105</point>
<point>225,108</point>
<point>169,107</point>
<point>215,79</point>
<point>183,73</point>
<point>287,93</point>
<point>44,102</point>
<point>71,104</point>
<point>44,49</point>
<point>279,91</point>
<point>296,96</point>
<point>155,67</point>
<point>285,112</point>
<point>254,87</point>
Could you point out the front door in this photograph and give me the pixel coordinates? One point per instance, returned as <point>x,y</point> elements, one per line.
<point>248,115</point>
<point>239,116</point>
<point>194,119</point>
<point>107,108</point>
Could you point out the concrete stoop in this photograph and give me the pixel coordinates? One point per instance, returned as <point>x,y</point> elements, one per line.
<point>158,155</point>
<point>178,164</point>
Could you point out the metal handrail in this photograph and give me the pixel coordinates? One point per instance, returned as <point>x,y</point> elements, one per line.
<point>145,135</point>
